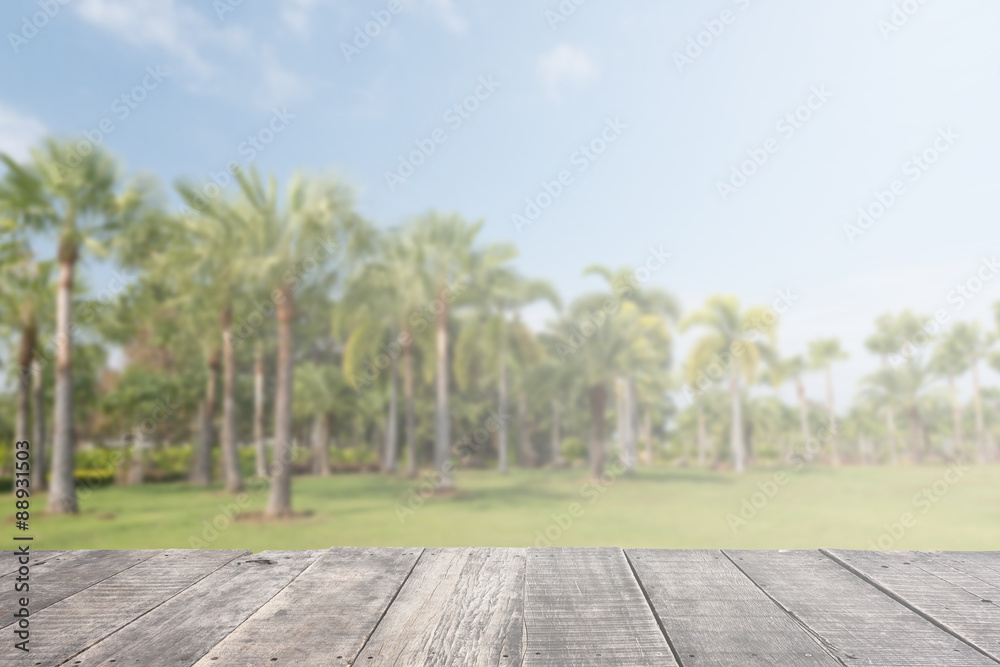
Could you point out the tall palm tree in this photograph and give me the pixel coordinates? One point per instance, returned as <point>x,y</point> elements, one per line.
<point>737,341</point>
<point>822,354</point>
<point>208,245</point>
<point>316,221</point>
<point>319,389</point>
<point>970,343</point>
<point>886,342</point>
<point>907,385</point>
<point>26,298</point>
<point>376,317</point>
<point>501,291</point>
<point>651,363</point>
<point>79,196</point>
<point>793,368</point>
<point>950,360</point>
<point>445,247</point>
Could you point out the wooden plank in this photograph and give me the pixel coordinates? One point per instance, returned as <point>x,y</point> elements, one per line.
<point>458,607</point>
<point>58,578</point>
<point>71,625</point>
<point>9,559</point>
<point>977,565</point>
<point>968,607</point>
<point>584,607</point>
<point>714,615</point>
<point>857,622</point>
<point>325,616</point>
<point>188,625</point>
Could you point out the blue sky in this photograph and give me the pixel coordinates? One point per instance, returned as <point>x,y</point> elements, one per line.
<point>873,87</point>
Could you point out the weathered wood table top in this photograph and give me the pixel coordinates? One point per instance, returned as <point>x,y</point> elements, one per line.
<point>544,606</point>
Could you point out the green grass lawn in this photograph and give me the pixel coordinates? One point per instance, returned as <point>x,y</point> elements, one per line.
<point>661,508</point>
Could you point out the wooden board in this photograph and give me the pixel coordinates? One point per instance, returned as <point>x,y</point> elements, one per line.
<point>325,616</point>
<point>9,558</point>
<point>185,627</point>
<point>458,607</point>
<point>857,622</point>
<point>947,596</point>
<point>73,624</point>
<point>714,615</point>
<point>584,607</point>
<point>59,577</point>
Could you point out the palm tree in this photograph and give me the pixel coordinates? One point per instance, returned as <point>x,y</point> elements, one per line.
<point>316,222</point>
<point>886,342</point>
<point>822,354</point>
<point>656,307</point>
<point>319,388</point>
<point>793,368</point>
<point>76,195</point>
<point>208,245</point>
<point>905,384</point>
<point>736,342</point>
<point>444,245</point>
<point>499,292</point>
<point>27,295</point>
<point>375,318</point>
<point>950,361</point>
<point>969,343</point>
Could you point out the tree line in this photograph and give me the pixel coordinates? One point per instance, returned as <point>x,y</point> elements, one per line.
<point>260,319</point>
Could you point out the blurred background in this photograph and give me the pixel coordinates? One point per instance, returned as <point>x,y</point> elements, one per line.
<point>446,272</point>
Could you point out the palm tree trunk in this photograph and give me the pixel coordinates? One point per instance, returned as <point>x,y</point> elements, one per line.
<point>442,422</point>
<point>598,396</point>
<point>136,469</point>
<point>631,426</point>
<point>321,446</point>
<point>24,358</point>
<point>411,421</point>
<point>957,447</point>
<point>260,446</point>
<point>62,497</point>
<point>831,412</point>
<point>201,470</point>
<point>38,432</point>
<point>527,454</point>
<point>392,421</point>
<point>620,428</point>
<point>279,503</point>
<point>647,433</point>
<point>977,402</point>
<point>736,427</point>
<point>702,434</point>
<point>230,453</point>
<point>800,389</point>
<point>502,398</point>
<point>556,439</point>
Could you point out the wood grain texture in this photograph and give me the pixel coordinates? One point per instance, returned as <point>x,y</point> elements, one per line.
<point>858,623</point>
<point>944,592</point>
<point>714,614</point>
<point>458,607</point>
<point>9,558</point>
<point>57,578</point>
<point>584,607</point>
<point>324,616</point>
<point>188,625</point>
<point>77,622</point>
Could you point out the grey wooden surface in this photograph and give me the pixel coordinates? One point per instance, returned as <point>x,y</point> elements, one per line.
<point>536,606</point>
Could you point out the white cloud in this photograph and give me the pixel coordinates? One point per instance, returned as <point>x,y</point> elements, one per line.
<point>445,12</point>
<point>278,85</point>
<point>296,15</point>
<point>18,132</point>
<point>171,26</point>
<point>565,67</point>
